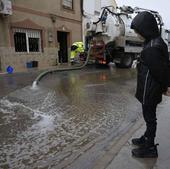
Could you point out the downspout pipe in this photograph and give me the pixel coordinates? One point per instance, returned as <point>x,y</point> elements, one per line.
<point>82,7</point>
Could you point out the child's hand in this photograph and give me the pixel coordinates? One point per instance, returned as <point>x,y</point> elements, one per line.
<point>167,93</point>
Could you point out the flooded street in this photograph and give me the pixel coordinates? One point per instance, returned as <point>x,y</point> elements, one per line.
<point>68,121</point>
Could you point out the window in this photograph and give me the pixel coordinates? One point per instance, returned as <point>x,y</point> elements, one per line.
<point>27,40</point>
<point>20,42</point>
<point>67,4</point>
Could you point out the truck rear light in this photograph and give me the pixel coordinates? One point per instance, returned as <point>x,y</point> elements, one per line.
<point>103,62</point>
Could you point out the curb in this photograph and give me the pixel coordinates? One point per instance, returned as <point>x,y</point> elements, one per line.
<point>119,142</point>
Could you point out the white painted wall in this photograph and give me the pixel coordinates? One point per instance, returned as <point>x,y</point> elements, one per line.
<point>98,6</point>
<point>90,6</point>
<point>107,3</point>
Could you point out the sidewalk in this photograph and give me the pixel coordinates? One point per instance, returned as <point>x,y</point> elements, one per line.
<point>122,159</point>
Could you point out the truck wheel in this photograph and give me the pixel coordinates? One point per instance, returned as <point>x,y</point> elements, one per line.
<point>118,65</point>
<point>126,61</point>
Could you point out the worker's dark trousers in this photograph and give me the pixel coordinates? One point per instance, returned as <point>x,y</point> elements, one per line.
<point>149,114</point>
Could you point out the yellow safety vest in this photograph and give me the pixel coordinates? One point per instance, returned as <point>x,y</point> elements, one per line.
<point>80,49</point>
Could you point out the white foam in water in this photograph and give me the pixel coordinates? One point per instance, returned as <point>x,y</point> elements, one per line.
<point>10,105</point>
<point>45,124</point>
<point>47,120</point>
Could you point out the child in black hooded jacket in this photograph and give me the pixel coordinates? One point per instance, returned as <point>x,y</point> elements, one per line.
<point>151,80</point>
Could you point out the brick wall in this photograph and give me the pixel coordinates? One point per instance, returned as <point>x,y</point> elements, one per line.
<point>46,16</point>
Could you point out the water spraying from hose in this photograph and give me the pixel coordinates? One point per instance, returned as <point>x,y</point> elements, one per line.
<point>34,85</point>
<point>37,80</point>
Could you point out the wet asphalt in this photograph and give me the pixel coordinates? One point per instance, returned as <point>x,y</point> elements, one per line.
<point>69,121</point>
<point>12,82</point>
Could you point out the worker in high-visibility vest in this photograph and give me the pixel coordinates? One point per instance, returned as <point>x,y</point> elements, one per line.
<point>77,49</point>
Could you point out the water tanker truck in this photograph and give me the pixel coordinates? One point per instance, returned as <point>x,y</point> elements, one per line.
<point>113,40</point>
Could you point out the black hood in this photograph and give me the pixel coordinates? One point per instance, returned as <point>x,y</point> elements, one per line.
<point>146,25</point>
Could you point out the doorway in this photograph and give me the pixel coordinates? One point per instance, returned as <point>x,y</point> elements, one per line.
<point>0,65</point>
<point>62,38</point>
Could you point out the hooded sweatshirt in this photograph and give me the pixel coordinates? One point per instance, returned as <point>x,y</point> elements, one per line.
<point>145,24</point>
<point>152,65</point>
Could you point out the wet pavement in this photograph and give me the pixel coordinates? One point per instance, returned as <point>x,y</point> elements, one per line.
<point>69,121</point>
<point>123,158</point>
<point>12,82</point>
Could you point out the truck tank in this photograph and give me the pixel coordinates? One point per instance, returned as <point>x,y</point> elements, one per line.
<point>112,38</point>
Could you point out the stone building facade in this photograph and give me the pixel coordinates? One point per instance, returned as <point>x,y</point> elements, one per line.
<point>41,31</point>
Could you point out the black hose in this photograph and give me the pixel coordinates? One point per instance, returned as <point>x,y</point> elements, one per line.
<point>113,13</point>
<point>37,80</point>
